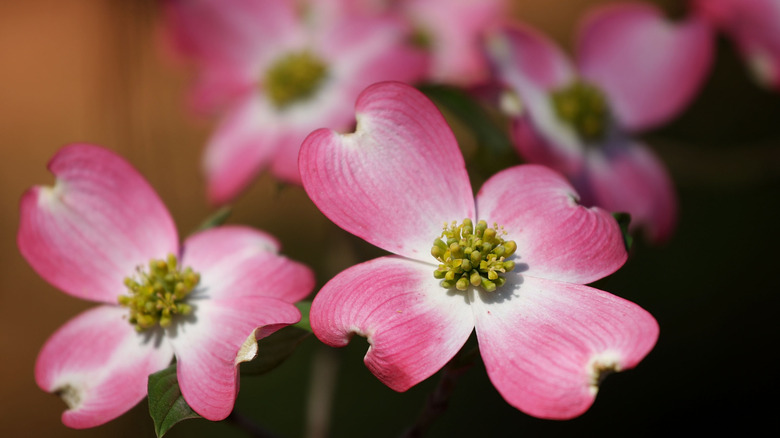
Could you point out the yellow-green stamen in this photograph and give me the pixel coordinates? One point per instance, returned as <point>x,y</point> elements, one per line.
<point>157,295</point>
<point>473,256</point>
<point>294,77</point>
<point>583,107</point>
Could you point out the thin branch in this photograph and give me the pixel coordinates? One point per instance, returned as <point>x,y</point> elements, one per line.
<point>438,400</point>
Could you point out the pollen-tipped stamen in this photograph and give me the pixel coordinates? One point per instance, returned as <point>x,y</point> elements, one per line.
<point>157,296</point>
<point>470,255</point>
<point>582,106</point>
<point>294,77</point>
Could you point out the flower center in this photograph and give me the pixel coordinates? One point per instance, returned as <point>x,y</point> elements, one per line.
<point>293,77</point>
<point>471,255</point>
<point>584,107</point>
<point>157,295</point>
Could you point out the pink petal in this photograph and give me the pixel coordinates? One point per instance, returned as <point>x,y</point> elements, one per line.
<point>100,364</point>
<point>649,67</point>
<point>532,66</point>
<point>566,155</point>
<point>557,238</point>
<point>227,31</point>
<point>527,60</point>
<point>243,143</point>
<point>456,29</point>
<point>236,261</point>
<point>397,179</point>
<point>365,50</point>
<point>413,325</point>
<point>543,342</point>
<point>208,347</point>
<point>755,27</point>
<point>628,177</point>
<point>95,226</point>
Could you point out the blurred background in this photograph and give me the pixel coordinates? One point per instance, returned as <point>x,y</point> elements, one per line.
<point>94,71</point>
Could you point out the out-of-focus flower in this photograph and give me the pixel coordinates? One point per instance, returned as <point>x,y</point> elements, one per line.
<point>511,264</point>
<point>102,234</point>
<point>451,31</point>
<point>754,26</point>
<point>635,70</point>
<point>283,72</point>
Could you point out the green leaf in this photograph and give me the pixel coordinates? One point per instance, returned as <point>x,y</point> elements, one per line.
<point>489,134</point>
<point>273,350</point>
<point>216,219</point>
<point>304,307</point>
<point>624,220</point>
<point>166,405</point>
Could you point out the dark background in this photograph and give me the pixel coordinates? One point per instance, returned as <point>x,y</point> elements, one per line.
<point>93,71</point>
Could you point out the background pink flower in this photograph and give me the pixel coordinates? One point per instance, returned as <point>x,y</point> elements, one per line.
<point>545,338</point>
<point>101,224</point>
<point>754,26</point>
<point>635,70</point>
<point>247,56</point>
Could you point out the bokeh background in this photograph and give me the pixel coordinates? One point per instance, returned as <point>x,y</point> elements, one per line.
<point>94,71</point>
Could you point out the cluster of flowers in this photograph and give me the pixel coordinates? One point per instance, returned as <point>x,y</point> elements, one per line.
<point>511,263</point>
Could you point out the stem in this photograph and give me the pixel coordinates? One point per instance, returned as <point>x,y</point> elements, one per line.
<point>438,400</point>
<point>244,423</point>
<point>321,390</point>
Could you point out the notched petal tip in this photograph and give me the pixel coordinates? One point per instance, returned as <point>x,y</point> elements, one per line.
<point>72,395</point>
<point>600,366</point>
<point>248,350</point>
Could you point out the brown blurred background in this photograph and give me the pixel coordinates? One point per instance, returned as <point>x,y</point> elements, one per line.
<point>93,71</point>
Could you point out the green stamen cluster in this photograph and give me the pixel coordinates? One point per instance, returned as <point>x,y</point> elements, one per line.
<point>158,296</point>
<point>472,256</point>
<point>584,107</point>
<point>294,77</point>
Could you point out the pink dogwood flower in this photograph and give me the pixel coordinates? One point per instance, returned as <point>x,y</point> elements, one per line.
<point>282,72</point>
<point>754,25</point>
<point>101,233</point>
<point>635,70</point>
<point>511,264</point>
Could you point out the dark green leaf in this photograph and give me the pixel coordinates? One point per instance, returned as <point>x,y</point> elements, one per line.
<point>488,133</point>
<point>273,350</point>
<point>624,219</point>
<point>216,219</point>
<point>304,307</point>
<point>166,405</point>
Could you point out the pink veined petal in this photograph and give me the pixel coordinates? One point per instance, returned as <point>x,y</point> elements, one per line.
<point>556,237</point>
<point>396,179</point>
<point>547,345</point>
<point>628,177</point>
<point>413,325</point>
<point>100,365</point>
<point>243,143</point>
<point>236,261</point>
<point>456,31</point>
<point>207,347</point>
<point>649,67</point>
<point>98,223</point>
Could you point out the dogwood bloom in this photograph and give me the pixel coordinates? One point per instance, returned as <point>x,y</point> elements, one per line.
<point>282,73</point>
<point>634,71</point>
<point>754,25</point>
<point>101,233</point>
<point>511,264</point>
